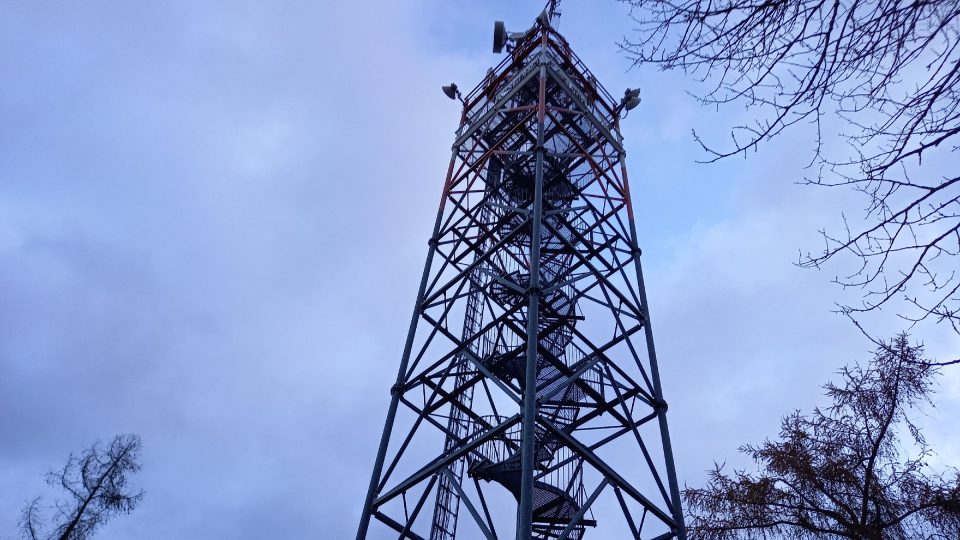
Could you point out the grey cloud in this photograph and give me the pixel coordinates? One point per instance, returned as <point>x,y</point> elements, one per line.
<point>212,222</point>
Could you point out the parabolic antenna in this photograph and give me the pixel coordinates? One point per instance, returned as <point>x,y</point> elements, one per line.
<point>499,36</point>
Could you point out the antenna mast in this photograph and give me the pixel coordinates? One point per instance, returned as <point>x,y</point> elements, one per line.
<point>552,12</point>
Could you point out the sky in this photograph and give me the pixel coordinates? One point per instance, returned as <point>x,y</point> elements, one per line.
<point>213,219</point>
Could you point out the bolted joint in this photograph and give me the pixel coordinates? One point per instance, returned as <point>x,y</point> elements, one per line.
<point>660,405</point>
<point>636,252</point>
<point>433,242</point>
<point>534,291</point>
<point>396,390</point>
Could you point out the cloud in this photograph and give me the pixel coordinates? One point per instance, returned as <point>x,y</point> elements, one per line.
<point>213,218</point>
<point>196,233</point>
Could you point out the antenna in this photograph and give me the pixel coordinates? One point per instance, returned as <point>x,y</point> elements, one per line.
<point>499,36</point>
<point>551,10</point>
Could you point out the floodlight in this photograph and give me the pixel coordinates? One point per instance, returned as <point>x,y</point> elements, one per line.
<point>451,90</point>
<point>631,98</point>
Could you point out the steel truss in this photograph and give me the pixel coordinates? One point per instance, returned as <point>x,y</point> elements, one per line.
<point>528,386</point>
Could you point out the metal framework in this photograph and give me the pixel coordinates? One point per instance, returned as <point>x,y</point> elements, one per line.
<point>528,401</point>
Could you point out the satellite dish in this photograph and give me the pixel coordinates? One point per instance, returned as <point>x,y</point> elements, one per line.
<point>451,90</point>
<point>499,36</point>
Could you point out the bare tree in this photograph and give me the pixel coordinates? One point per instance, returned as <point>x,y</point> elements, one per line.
<point>96,487</point>
<point>889,72</point>
<point>842,472</point>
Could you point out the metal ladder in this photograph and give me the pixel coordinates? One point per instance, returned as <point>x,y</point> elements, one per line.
<point>448,500</point>
<point>445,511</point>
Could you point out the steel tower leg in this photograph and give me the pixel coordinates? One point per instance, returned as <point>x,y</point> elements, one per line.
<point>395,391</point>
<point>528,444</point>
<point>676,506</point>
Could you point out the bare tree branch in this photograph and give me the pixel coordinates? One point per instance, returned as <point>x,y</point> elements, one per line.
<point>890,71</point>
